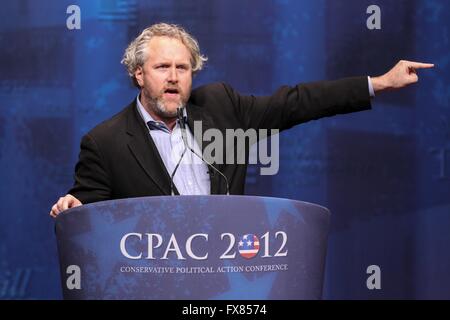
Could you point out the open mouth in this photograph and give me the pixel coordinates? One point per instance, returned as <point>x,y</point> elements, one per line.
<point>171,91</point>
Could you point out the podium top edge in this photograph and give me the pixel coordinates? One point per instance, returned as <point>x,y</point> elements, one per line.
<point>117,201</point>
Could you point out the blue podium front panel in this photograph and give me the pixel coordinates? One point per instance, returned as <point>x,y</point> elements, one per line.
<point>193,247</point>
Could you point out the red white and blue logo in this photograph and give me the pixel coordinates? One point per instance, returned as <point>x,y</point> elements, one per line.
<point>248,246</point>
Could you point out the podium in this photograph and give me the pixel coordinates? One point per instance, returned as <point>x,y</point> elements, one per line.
<point>193,247</point>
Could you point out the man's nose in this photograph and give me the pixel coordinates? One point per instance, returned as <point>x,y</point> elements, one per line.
<point>173,76</point>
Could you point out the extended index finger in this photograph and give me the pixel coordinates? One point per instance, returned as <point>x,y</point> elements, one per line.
<point>420,65</point>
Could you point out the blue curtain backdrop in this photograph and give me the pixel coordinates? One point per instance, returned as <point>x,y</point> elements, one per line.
<point>384,174</point>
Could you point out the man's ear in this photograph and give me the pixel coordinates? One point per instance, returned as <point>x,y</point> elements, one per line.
<point>139,76</point>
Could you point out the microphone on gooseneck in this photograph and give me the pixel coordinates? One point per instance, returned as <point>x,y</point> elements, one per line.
<point>182,122</point>
<point>172,192</point>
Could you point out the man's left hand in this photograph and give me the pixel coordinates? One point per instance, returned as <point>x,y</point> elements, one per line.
<point>401,75</point>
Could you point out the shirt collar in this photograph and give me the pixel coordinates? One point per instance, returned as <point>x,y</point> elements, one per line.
<point>152,124</point>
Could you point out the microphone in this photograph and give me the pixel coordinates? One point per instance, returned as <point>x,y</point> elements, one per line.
<point>178,164</point>
<point>172,192</point>
<point>182,122</point>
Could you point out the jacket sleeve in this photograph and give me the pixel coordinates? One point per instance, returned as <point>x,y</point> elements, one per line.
<point>290,106</point>
<point>92,182</point>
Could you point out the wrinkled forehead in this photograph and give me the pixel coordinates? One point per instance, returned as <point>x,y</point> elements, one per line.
<point>168,49</point>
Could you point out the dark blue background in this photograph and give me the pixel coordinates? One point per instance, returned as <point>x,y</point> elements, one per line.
<point>384,174</point>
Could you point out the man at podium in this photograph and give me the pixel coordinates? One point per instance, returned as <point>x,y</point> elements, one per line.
<point>138,151</point>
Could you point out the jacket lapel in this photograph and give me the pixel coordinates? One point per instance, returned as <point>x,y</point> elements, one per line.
<point>144,150</point>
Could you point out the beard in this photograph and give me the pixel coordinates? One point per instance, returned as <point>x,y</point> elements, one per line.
<point>158,105</point>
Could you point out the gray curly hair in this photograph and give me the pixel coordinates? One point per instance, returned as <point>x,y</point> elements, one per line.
<point>136,53</point>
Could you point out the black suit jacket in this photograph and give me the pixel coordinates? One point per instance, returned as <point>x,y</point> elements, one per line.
<point>118,158</point>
